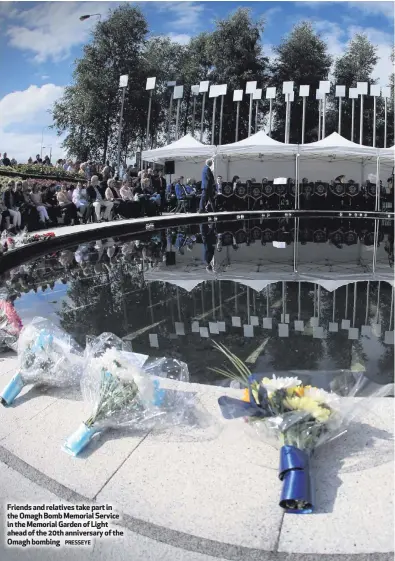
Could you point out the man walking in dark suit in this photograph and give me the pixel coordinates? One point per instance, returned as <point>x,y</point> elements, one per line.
<point>208,184</point>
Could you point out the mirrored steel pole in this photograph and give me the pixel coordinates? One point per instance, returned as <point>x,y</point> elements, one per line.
<point>361,123</point>
<point>250,116</point>
<point>213,125</point>
<point>352,118</point>
<point>270,116</point>
<point>339,126</point>
<point>385,122</point>
<point>303,118</point>
<point>170,117</point>
<point>148,119</point>
<point>220,119</point>
<point>177,116</point>
<point>202,119</point>
<point>193,115</point>
<point>319,118</point>
<point>374,121</point>
<point>237,120</point>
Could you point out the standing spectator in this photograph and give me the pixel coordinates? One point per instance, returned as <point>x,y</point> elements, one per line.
<point>38,160</point>
<point>13,162</point>
<point>30,160</point>
<point>8,200</point>
<point>6,160</point>
<point>97,197</point>
<point>47,161</point>
<point>37,201</point>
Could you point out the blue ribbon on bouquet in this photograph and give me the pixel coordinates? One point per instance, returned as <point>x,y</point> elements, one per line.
<point>232,408</point>
<point>294,472</point>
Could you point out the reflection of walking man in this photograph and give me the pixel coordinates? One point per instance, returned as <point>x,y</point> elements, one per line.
<point>208,184</point>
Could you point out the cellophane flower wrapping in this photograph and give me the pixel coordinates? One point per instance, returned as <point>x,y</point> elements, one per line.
<point>298,418</point>
<point>123,390</point>
<point>10,323</point>
<point>46,355</point>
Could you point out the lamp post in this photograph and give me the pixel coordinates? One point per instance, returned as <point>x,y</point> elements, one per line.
<point>270,95</point>
<point>42,141</point>
<point>123,83</point>
<point>352,94</point>
<point>237,96</point>
<point>304,92</point>
<point>203,88</point>
<point>87,16</point>
<point>340,93</point>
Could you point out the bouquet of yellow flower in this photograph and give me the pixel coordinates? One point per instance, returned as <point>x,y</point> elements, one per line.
<point>299,417</point>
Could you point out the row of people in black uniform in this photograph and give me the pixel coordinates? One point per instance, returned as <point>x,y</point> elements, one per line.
<point>319,195</point>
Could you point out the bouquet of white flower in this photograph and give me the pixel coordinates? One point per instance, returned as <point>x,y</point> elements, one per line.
<point>46,355</point>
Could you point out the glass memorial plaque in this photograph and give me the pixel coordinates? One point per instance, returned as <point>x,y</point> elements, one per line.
<point>362,88</point>
<point>386,91</point>
<point>213,327</point>
<point>195,327</point>
<point>375,90</point>
<point>250,87</point>
<point>178,92</point>
<point>283,330</point>
<point>203,87</point>
<point>288,87</point>
<point>180,328</point>
<point>325,86</point>
<point>340,91</point>
<point>304,91</point>
<point>150,85</point>
<point>270,93</point>
<point>257,94</point>
<point>238,95</point>
<point>195,90</point>
<point>267,323</point>
<point>123,81</point>
<point>124,285</point>
<point>248,330</point>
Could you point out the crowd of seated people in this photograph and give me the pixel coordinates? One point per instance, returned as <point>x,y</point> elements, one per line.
<point>26,204</point>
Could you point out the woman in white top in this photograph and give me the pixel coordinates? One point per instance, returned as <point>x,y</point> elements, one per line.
<point>36,199</point>
<point>80,200</point>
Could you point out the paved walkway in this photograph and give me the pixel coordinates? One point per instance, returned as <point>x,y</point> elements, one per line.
<point>198,494</point>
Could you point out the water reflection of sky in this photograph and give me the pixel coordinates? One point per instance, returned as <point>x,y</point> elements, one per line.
<point>320,323</point>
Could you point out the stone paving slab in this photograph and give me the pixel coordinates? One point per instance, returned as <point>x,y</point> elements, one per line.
<point>26,406</point>
<point>39,444</point>
<point>354,481</point>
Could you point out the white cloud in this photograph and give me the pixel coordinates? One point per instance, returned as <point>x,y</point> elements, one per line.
<point>187,15</point>
<point>50,30</point>
<point>181,38</point>
<point>22,109</point>
<point>374,8</point>
<point>338,37</point>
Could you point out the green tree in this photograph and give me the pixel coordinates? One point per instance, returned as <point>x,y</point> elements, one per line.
<point>302,57</point>
<point>356,65</point>
<point>89,109</point>
<point>235,51</point>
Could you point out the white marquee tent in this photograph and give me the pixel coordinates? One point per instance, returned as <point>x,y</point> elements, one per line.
<point>188,154</point>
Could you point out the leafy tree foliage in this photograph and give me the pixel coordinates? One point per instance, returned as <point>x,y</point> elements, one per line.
<point>302,57</point>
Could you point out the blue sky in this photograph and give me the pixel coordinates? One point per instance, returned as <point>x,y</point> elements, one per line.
<point>40,40</point>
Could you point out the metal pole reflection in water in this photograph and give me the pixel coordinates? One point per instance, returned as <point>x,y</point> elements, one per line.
<point>299,296</point>
<point>315,300</point>
<point>346,310</point>
<point>150,302</point>
<point>284,288</point>
<point>392,309</point>
<point>221,315</point>
<point>334,306</point>
<point>319,303</point>
<point>378,302</point>
<point>178,304</point>
<point>202,293</point>
<point>213,298</point>
<point>267,301</point>
<point>355,305</point>
<point>236,299</point>
<point>248,304</point>
<point>367,303</point>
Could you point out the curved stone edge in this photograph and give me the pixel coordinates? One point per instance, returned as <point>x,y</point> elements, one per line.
<point>176,538</point>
